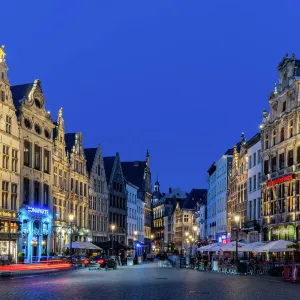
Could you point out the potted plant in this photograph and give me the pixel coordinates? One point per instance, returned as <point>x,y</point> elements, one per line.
<point>21,257</point>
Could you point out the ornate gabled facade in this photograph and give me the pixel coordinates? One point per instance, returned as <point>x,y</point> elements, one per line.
<point>98,195</point>
<point>60,189</point>
<point>237,197</point>
<point>9,166</point>
<point>280,138</point>
<point>78,181</point>
<point>117,198</point>
<point>36,172</point>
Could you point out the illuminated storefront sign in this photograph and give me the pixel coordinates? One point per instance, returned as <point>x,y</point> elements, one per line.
<point>37,210</point>
<point>7,214</point>
<point>280,180</point>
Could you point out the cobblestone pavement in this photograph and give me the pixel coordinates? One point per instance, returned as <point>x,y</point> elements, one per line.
<point>146,282</point>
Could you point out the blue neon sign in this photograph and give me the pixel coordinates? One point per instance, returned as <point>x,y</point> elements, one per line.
<point>37,210</point>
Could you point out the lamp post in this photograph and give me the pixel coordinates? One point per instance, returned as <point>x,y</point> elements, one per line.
<point>135,240</point>
<point>71,217</point>
<point>112,238</point>
<point>237,219</point>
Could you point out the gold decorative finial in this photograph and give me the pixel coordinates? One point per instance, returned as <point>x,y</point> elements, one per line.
<point>2,54</point>
<point>60,112</point>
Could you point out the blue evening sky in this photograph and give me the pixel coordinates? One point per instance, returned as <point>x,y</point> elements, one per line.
<point>180,78</point>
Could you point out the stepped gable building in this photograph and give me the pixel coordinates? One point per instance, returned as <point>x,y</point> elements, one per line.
<point>98,195</point>
<point>61,187</point>
<point>139,174</point>
<point>36,129</point>
<point>237,200</point>
<point>78,180</point>
<point>117,198</point>
<point>9,166</point>
<point>280,137</point>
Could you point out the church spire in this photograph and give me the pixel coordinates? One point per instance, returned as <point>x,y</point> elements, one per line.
<point>148,159</point>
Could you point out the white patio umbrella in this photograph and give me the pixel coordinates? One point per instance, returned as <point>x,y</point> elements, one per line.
<point>210,247</point>
<point>252,246</point>
<point>231,247</point>
<point>90,246</point>
<point>275,246</point>
<point>75,245</point>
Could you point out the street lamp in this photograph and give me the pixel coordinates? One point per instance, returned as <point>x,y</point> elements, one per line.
<point>112,238</point>
<point>71,218</point>
<point>237,219</point>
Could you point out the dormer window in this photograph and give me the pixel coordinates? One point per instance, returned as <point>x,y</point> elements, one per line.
<point>37,103</point>
<point>283,106</point>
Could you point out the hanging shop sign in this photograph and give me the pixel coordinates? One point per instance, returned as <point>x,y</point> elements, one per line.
<point>280,180</point>
<point>37,210</point>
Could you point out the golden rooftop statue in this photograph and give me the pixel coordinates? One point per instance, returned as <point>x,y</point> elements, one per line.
<point>2,54</point>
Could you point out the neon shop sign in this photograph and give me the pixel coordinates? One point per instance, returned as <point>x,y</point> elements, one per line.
<point>37,210</point>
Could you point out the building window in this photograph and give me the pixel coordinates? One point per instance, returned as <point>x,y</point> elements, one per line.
<point>14,160</point>
<point>36,193</point>
<point>27,153</point>
<point>298,154</point>
<point>266,141</point>
<point>5,157</point>
<point>8,124</point>
<point>2,94</point>
<point>281,161</point>
<point>258,157</point>
<point>185,218</point>
<point>37,157</point>
<point>266,167</point>
<point>60,176</point>
<point>274,163</point>
<point>291,125</point>
<point>14,196</point>
<point>283,106</point>
<point>46,161</point>
<point>274,137</point>
<point>254,159</point>
<point>250,185</point>
<point>282,134</point>
<point>55,176</point>
<point>250,162</point>
<point>72,184</point>
<point>46,195</point>
<point>254,182</point>
<point>26,190</point>
<point>290,158</point>
<point>85,190</point>
<point>5,194</point>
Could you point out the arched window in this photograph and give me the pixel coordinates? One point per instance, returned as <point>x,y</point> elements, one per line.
<point>282,134</point>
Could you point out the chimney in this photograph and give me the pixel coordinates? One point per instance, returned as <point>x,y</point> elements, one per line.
<point>170,190</point>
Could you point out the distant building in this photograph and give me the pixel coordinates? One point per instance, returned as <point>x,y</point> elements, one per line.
<point>237,200</point>
<point>117,198</point>
<point>254,188</point>
<point>98,196</point>
<point>139,174</point>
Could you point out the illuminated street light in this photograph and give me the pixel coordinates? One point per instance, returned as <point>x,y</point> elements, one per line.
<point>112,238</point>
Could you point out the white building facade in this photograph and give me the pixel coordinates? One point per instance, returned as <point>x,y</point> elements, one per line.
<point>132,226</point>
<point>254,188</point>
<point>223,166</point>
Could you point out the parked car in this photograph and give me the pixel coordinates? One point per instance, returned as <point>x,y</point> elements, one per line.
<point>103,262</point>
